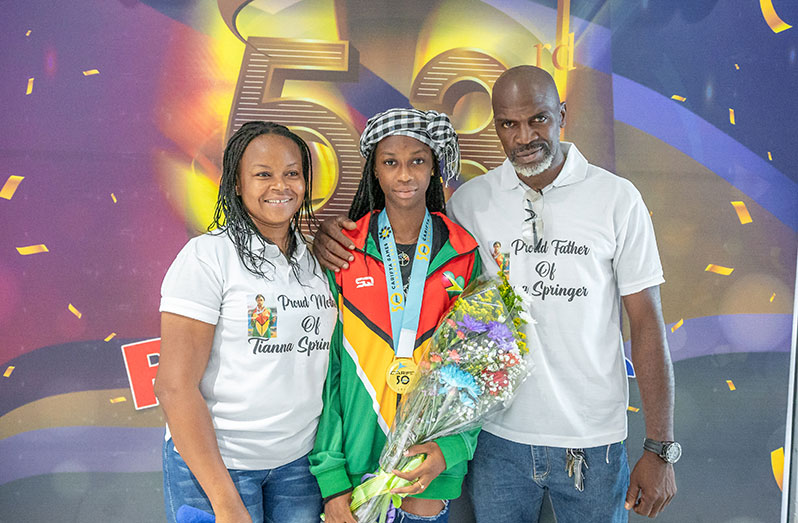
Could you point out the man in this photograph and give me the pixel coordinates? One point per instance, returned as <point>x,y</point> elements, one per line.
<point>580,242</point>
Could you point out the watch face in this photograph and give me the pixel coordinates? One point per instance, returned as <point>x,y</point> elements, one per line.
<point>672,452</point>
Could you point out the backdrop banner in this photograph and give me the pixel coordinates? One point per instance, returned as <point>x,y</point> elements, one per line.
<point>115,115</point>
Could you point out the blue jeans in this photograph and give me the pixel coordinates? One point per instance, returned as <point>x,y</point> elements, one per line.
<point>286,494</point>
<point>441,517</point>
<point>507,482</point>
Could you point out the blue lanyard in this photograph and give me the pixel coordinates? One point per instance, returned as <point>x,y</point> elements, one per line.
<point>405,312</point>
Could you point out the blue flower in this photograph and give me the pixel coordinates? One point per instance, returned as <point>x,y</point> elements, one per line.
<point>499,332</point>
<point>453,376</point>
<point>472,324</point>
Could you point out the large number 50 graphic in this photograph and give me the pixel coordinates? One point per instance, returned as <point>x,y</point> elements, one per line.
<point>441,84</point>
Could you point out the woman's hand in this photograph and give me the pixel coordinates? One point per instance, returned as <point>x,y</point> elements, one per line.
<point>422,475</point>
<point>330,245</point>
<point>337,510</point>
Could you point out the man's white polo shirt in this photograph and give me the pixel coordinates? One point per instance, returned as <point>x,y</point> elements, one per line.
<point>598,245</point>
<point>264,379</point>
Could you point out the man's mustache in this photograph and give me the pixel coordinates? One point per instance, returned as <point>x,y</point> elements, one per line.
<point>531,146</point>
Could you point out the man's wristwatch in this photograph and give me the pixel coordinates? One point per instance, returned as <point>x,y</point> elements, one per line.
<point>669,451</point>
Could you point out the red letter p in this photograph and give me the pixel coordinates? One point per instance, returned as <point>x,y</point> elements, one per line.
<point>141,363</point>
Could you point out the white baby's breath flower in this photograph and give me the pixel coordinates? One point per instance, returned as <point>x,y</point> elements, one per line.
<point>524,315</point>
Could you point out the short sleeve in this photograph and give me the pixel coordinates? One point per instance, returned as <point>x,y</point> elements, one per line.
<point>193,285</point>
<point>636,262</point>
<point>454,209</point>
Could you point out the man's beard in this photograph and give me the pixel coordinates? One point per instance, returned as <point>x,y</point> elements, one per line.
<point>534,169</point>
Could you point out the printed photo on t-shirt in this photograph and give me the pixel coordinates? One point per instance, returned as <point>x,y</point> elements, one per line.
<point>502,258</point>
<point>262,317</point>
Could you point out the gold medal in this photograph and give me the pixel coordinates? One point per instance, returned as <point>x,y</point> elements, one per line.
<point>401,375</point>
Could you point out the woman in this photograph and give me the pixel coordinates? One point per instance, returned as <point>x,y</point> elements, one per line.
<point>390,299</point>
<point>242,406</point>
<point>261,318</point>
<point>502,258</point>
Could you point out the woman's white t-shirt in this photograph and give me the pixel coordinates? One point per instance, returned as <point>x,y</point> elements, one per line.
<point>264,378</point>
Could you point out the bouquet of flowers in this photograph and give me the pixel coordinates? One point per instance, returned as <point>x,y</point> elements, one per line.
<point>471,369</point>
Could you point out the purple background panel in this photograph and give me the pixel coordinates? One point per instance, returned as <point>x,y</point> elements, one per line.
<point>80,449</point>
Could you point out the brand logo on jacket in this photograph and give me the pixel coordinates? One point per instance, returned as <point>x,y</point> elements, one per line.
<point>364,281</point>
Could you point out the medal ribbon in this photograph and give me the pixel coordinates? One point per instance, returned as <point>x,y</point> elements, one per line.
<point>405,312</point>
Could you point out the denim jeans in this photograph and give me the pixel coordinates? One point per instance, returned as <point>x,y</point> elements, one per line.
<point>440,517</point>
<point>286,494</point>
<point>507,482</point>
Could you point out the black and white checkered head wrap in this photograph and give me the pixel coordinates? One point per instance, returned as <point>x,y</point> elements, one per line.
<point>428,127</point>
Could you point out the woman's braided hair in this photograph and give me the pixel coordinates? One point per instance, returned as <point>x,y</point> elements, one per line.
<point>231,216</point>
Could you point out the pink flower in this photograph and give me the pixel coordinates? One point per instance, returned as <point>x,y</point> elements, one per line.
<point>496,381</point>
<point>455,356</point>
<point>460,335</point>
<point>435,357</point>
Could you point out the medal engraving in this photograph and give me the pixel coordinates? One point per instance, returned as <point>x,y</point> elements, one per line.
<point>401,375</point>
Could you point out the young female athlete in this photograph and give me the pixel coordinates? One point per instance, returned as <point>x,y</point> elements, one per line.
<point>410,264</point>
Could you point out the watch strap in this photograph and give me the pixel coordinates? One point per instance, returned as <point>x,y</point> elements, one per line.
<point>655,446</point>
<point>668,451</point>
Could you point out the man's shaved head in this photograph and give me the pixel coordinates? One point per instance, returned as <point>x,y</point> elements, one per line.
<point>525,80</point>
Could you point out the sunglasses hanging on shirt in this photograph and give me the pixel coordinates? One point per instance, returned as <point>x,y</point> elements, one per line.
<point>532,228</point>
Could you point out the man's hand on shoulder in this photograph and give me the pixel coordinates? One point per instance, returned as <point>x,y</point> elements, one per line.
<point>330,245</point>
<point>652,485</point>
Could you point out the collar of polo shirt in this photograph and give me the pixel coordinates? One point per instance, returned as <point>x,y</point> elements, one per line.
<point>573,170</point>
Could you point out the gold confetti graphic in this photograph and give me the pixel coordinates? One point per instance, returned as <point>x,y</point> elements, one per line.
<point>8,371</point>
<point>32,249</point>
<point>90,72</point>
<point>730,383</point>
<point>110,336</point>
<point>632,409</point>
<point>737,67</point>
<point>74,311</point>
<point>30,86</point>
<point>719,269</point>
<point>770,156</point>
<point>777,464</point>
<point>731,116</point>
<point>678,98</point>
<point>28,33</point>
<point>772,297</point>
<point>742,212</point>
<point>775,23</point>
<point>113,197</point>
<point>10,187</point>
<point>118,399</point>
<point>677,325</point>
